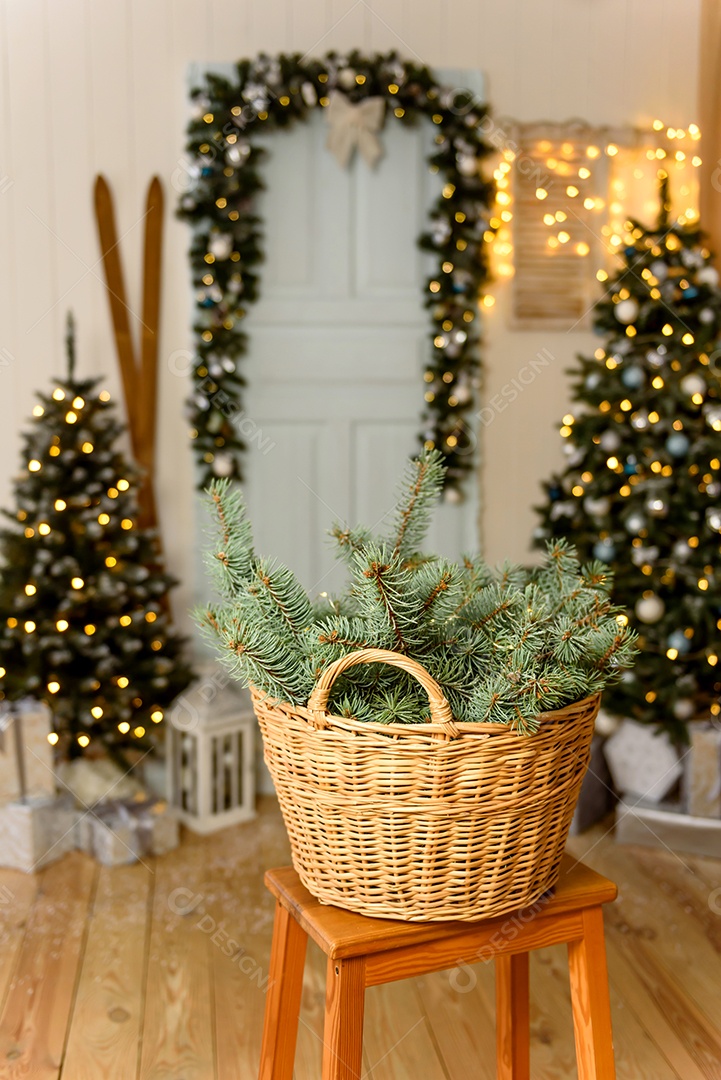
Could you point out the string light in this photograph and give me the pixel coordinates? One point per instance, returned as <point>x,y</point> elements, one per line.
<point>30,590</point>
<point>53,738</point>
<point>58,394</point>
<point>103,519</point>
<point>126,523</point>
<point>87,448</point>
<point>139,731</point>
<point>123,727</point>
<point>125,620</point>
<point>123,681</point>
<point>44,529</point>
<point>29,626</point>
<point>156,715</point>
<point>96,712</point>
<point>89,629</point>
<point>83,740</point>
<point>122,485</point>
<point>34,465</point>
<point>53,686</point>
<point>60,504</point>
<point>62,625</point>
<point>38,410</point>
<point>78,403</point>
<point>150,616</point>
<point>77,582</point>
<point>71,417</point>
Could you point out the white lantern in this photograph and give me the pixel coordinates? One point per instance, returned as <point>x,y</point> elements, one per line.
<point>210,754</point>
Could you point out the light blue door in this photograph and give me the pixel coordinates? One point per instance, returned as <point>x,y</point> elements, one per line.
<point>338,345</point>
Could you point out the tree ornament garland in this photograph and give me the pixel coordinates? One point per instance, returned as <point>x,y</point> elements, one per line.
<point>272,93</point>
<point>642,485</point>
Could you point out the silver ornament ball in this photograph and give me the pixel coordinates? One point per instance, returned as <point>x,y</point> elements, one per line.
<point>650,609</point>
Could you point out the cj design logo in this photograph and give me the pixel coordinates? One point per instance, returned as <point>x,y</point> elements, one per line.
<point>183,901</point>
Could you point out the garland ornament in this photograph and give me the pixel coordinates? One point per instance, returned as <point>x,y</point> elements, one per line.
<point>355,126</point>
<point>219,201</point>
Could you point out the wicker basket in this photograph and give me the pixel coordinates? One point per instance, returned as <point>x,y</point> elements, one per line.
<point>429,821</point>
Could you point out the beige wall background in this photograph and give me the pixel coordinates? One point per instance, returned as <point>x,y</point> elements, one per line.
<point>89,87</point>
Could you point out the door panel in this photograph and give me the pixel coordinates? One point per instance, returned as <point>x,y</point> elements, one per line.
<point>338,344</point>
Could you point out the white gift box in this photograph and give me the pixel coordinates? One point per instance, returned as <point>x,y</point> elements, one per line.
<point>644,764</point>
<point>35,726</point>
<point>36,832</point>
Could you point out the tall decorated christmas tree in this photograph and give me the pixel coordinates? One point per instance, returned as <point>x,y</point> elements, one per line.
<point>84,618</point>
<point>641,489</point>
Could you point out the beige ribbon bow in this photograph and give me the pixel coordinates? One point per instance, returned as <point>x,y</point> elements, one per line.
<point>354,126</point>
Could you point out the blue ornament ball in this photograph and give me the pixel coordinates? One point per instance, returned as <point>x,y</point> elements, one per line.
<point>677,444</point>
<point>633,377</point>
<point>604,550</point>
<point>678,640</point>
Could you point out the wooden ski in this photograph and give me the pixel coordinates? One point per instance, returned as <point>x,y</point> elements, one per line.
<point>119,310</point>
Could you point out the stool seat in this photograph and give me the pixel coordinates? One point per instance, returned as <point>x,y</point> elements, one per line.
<point>365,951</point>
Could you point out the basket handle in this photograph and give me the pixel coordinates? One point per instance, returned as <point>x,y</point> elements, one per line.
<point>440,709</point>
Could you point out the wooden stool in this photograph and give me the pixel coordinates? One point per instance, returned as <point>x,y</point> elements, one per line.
<point>365,952</point>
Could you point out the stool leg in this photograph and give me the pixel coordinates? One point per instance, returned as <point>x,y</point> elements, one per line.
<point>282,1005</point>
<point>343,1031</point>
<point>513,1061</point>
<point>589,996</point>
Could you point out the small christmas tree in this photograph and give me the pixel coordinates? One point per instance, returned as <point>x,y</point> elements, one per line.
<point>84,621</point>
<point>642,485</point>
<point>504,644</point>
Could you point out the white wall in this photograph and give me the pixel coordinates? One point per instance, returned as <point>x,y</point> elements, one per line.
<point>100,86</point>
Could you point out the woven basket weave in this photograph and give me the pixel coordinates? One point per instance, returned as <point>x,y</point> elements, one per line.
<point>422,822</point>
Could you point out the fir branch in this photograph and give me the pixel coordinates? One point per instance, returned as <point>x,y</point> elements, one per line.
<point>279,596</point>
<point>418,493</point>
<point>383,590</point>
<point>230,558</point>
<point>349,541</point>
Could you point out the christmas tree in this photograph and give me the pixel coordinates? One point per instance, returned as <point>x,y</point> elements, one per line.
<point>504,644</point>
<point>642,485</point>
<point>84,622</point>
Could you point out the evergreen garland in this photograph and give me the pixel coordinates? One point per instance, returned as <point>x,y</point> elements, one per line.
<point>224,179</point>
<point>504,644</point>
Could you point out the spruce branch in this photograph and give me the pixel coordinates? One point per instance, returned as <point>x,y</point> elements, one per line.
<point>230,556</point>
<point>349,541</point>
<point>418,493</point>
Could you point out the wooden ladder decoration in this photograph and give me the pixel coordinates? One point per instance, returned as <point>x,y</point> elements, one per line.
<point>139,377</point>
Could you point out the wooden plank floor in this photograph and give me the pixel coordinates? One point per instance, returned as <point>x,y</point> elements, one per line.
<point>158,972</point>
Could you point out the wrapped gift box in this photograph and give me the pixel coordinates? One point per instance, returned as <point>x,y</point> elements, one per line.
<point>36,832</point>
<point>124,830</point>
<point>37,753</point>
